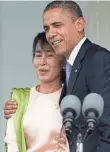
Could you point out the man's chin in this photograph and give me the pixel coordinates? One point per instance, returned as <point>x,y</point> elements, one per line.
<point>59,51</point>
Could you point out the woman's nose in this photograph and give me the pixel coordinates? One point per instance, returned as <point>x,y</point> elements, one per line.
<point>43,60</point>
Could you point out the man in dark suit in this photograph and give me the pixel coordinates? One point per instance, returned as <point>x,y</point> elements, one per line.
<point>90,65</point>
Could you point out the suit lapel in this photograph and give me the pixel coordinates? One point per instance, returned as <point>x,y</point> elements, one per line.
<point>63,93</point>
<point>73,76</point>
<point>77,66</point>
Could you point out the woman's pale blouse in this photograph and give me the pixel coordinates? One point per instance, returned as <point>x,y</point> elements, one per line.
<point>42,125</point>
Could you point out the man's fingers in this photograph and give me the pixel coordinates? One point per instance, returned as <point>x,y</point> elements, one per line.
<point>9,109</point>
<point>8,116</point>
<point>10,105</point>
<point>8,112</point>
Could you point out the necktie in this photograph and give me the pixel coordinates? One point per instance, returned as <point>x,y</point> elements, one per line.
<point>68,70</point>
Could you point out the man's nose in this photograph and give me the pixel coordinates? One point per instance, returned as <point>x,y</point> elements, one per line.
<point>51,33</point>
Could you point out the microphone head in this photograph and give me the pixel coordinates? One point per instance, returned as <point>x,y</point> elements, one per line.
<point>71,102</point>
<point>95,102</point>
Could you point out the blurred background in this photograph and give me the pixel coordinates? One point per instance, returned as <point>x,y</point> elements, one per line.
<point>19,23</point>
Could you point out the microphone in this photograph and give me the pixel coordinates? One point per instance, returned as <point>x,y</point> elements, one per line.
<point>92,109</point>
<point>70,108</point>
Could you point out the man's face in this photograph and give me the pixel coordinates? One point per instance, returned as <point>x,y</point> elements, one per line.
<point>62,30</point>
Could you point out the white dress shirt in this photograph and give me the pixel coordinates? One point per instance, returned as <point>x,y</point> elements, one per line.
<point>75,51</point>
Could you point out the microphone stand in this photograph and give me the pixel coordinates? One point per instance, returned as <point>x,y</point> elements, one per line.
<point>79,139</point>
<point>90,126</point>
<point>79,142</point>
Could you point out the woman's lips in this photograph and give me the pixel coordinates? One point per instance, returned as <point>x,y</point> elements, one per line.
<point>43,72</point>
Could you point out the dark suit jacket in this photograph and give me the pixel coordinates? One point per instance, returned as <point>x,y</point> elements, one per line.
<point>91,73</point>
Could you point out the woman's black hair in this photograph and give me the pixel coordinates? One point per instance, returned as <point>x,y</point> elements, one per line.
<point>39,37</point>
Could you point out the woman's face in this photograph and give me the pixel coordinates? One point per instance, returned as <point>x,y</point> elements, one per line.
<point>48,65</point>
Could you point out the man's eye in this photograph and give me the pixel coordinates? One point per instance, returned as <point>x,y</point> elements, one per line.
<point>58,25</point>
<point>46,29</point>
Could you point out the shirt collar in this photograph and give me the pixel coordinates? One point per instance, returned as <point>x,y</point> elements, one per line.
<point>75,51</point>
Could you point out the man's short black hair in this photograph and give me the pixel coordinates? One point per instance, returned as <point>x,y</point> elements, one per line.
<point>71,6</point>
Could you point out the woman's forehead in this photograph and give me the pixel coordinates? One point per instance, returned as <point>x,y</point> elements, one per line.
<point>43,47</point>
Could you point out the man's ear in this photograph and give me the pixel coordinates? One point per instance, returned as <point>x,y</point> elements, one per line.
<point>80,24</point>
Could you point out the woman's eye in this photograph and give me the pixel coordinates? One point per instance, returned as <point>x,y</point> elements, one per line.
<point>50,55</point>
<point>37,55</point>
